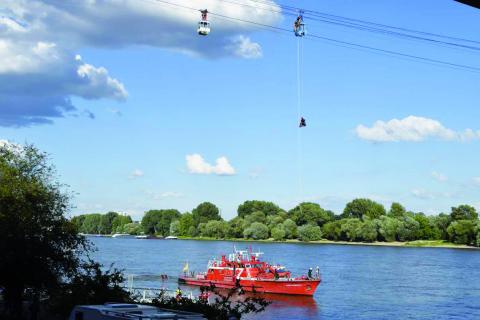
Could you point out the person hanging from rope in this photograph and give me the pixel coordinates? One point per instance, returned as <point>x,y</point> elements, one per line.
<point>303,123</point>
<point>297,23</point>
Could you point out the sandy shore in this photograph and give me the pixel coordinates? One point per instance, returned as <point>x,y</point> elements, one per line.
<point>409,244</point>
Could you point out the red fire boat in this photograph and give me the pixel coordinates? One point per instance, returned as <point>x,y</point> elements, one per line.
<point>243,268</point>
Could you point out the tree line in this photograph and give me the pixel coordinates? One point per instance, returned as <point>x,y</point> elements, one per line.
<point>362,220</point>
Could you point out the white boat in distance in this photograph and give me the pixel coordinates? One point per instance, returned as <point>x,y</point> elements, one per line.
<point>171,238</point>
<point>121,235</point>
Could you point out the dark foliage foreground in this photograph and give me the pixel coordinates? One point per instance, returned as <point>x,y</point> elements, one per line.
<point>227,304</point>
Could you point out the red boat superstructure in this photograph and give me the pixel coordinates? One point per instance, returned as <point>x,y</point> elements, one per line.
<point>245,269</point>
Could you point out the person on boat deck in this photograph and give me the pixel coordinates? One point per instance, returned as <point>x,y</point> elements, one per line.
<point>276,274</point>
<point>317,272</point>
<point>310,273</point>
<point>303,123</point>
<point>178,293</point>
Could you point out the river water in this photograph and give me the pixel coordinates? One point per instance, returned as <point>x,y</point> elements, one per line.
<point>358,282</point>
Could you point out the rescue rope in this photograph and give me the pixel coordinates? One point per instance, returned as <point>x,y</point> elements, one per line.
<point>299,116</point>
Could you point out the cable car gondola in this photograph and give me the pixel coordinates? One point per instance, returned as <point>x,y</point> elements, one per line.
<point>203,25</point>
<point>299,26</point>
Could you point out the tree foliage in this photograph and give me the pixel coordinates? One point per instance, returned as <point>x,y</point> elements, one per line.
<point>205,212</point>
<point>158,221</point>
<point>464,212</point>
<point>360,208</point>
<point>257,231</point>
<point>249,207</point>
<point>310,213</point>
<point>309,232</point>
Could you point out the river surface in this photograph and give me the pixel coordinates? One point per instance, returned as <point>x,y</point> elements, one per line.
<point>358,282</point>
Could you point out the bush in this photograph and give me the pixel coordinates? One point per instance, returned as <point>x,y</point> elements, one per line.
<point>309,232</point>
<point>462,232</point>
<point>215,229</point>
<point>290,229</point>
<point>332,230</point>
<point>256,230</point>
<point>278,234</point>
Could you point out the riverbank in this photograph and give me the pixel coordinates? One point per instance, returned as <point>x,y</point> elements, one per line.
<point>408,244</point>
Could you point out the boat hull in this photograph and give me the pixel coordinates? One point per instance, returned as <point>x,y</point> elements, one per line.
<point>305,287</point>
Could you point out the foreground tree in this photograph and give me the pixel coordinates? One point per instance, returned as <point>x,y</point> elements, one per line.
<point>38,244</point>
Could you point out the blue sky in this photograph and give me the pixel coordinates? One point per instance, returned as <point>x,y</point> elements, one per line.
<point>145,93</point>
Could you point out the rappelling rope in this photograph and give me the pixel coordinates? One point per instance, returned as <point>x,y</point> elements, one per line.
<point>299,115</point>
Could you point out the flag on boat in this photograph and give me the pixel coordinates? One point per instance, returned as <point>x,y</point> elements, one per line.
<point>185,267</point>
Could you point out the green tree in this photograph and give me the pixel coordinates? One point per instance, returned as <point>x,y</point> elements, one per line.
<point>310,213</point>
<point>368,230</point>
<point>278,233</point>
<point>388,228</point>
<point>351,229</point>
<point>274,221</point>
<point>236,228</point>
<point>309,232</point>
<point>119,222</point>
<point>462,232</point>
<point>185,225</point>
<point>216,229</point>
<point>257,231</point>
<point>360,208</point>
<point>409,229</point>
<point>396,210</point>
<point>78,222</point>
<point>332,230</point>
<point>205,212</point>
<point>175,228</point>
<point>91,223</point>
<point>39,246</point>
<point>158,221</point>
<point>249,207</point>
<point>257,216</point>
<point>201,229</point>
<point>464,212</point>
<point>427,229</point>
<point>441,222</point>
<point>130,228</point>
<point>290,229</point>
<point>106,222</point>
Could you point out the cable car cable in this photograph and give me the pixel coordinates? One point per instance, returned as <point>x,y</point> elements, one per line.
<point>344,43</point>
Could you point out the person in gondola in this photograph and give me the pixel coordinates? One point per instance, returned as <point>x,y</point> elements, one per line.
<point>303,123</point>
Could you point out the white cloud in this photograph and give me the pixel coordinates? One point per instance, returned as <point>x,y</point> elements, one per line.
<point>197,165</point>
<point>137,173</point>
<point>243,47</point>
<point>439,176</point>
<point>412,128</point>
<point>40,69</point>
